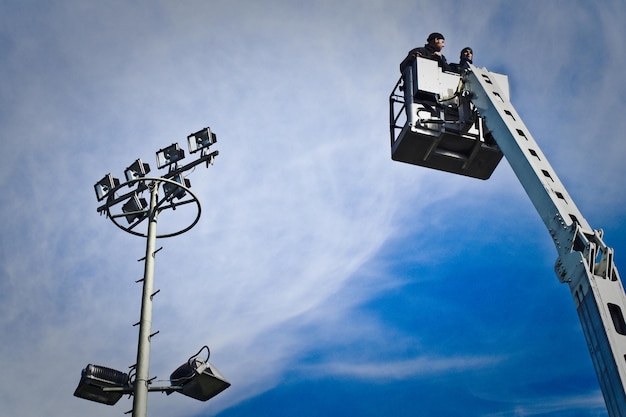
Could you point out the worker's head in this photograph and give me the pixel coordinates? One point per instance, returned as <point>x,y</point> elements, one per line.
<point>467,54</point>
<point>436,40</point>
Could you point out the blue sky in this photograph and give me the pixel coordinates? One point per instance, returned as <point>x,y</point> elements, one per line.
<point>326,278</point>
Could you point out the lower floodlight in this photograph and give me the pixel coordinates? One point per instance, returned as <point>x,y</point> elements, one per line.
<point>135,208</point>
<point>170,155</point>
<point>137,170</point>
<point>173,191</point>
<point>201,140</point>
<point>198,379</point>
<point>105,186</point>
<point>102,385</point>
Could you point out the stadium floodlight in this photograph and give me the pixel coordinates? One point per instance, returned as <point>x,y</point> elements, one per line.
<point>201,140</point>
<point>95,378</point>
<point>173,191</point>
<point>135,208</point>
<point>170,155</point>
<point>138,169</point>
<point>105,186</point>
<point>198,379</point>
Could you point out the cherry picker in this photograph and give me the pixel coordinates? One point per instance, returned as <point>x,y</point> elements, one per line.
<point>464,124</point>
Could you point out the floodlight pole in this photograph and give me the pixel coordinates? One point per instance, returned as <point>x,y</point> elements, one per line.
<point>111,189</point>
<point>142,376</point>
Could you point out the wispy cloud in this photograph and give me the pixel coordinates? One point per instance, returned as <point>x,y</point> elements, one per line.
<point>383,372</point>
<point>570,405</point>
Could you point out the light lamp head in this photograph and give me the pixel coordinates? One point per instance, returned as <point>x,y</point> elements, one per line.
<point>135,208</point>
<point>173,191</point>
<point>94,378</point>
<point>170,155</point>
<point>105,186</point>
<point>138,169</point>
<point>201,140</point>
<point>199,380</point>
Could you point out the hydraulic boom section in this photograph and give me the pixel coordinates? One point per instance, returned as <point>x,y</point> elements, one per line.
<point>585,262</point>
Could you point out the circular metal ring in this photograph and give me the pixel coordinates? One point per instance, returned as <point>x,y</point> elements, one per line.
<point>128,229</point>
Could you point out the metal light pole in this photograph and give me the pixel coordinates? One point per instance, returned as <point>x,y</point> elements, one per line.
<point>196,378</point>
<point>140,400</point>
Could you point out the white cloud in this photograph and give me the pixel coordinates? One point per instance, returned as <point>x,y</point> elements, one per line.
<point>404,369</point>
<point>565,405</point>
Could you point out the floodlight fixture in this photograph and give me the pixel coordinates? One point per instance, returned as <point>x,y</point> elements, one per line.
<point>95,378</point>
<point>135,207</point>
<point>173,191</point>
<point>170,155</point>
<point>199,379</point>
<point>105,186</point>
<point>201,140</point>
<point>138,169</point>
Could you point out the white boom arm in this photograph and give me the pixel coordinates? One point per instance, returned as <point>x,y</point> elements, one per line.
<point>585,263</point>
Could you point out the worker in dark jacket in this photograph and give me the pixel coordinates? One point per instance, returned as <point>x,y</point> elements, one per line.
<point>432,50</point>
<point>466,58</point>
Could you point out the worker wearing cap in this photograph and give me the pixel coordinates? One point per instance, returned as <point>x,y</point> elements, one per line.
<point>466,58</point>
<point>432,50</point>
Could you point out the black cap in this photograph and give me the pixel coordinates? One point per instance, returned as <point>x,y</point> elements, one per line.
<point>434,36</point>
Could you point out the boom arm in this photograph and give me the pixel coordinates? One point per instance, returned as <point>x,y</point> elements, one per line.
<point>585,262</point>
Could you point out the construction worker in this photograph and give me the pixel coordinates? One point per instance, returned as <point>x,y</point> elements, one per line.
<point>432,50</point>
